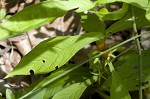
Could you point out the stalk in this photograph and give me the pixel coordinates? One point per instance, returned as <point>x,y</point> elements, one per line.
<point>139,54</point>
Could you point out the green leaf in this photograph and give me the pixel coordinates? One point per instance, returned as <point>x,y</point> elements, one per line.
<point>0,95</point>
<point>114,15</point>
<point>51,53</point>
<point>92,23</point>
<point>122,24</point>
<point>127,69</point>
<point>2,14</point>
<point>138,3</point>
<point>9,94</point>
<point>127,22</point>
<point>78,75</point>
<point>118,90</point>
<point>74,91</point>
<point>82,5</point>
<point>37,95</point>
<point>25,90</point>
<point>148,12</point>
<point>75,76</point>
<point>46,11</point>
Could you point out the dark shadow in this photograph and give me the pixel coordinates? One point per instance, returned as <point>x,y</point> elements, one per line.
<point>40,35</point>
<point>73,25</point>
<point>78,75</point>
<point>11,4</point>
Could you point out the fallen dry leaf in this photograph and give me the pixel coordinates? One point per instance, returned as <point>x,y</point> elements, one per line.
<point>22,43</point>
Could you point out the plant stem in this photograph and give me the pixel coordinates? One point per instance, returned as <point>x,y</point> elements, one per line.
<point>103,95</point>
<point>77,66</point>
<point>139,53</point>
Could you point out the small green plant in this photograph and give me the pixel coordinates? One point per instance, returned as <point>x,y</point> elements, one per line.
<point>72,81</point>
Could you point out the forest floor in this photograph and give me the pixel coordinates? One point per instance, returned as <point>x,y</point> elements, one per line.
<point>13,49</point>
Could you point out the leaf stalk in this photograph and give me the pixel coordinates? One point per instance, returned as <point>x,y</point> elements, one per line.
<point>139,53</point>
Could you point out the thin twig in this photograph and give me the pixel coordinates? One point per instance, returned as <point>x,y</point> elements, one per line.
<point>29,40</point>
<point>139,53</point>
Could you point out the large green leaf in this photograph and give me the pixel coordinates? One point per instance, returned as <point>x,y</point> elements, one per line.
<point>52,87</point>
<point>115,15</point>
<point>118,90</point>
<point>92,23</point>
<point>128,70</point>
<point>74,91</point>
<point>47,11</point>
<point>51,53</point>
<point>139,3</point>
<point>127,21</point>
<point>75,76</point>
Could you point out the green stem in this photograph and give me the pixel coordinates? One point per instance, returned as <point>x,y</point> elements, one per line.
<point>123,53</point>
<point>103,95</point>
<point>140,54</point>
<point>75,67</point>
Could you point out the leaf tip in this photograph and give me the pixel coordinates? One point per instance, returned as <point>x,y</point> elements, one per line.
<point>6,77</point>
